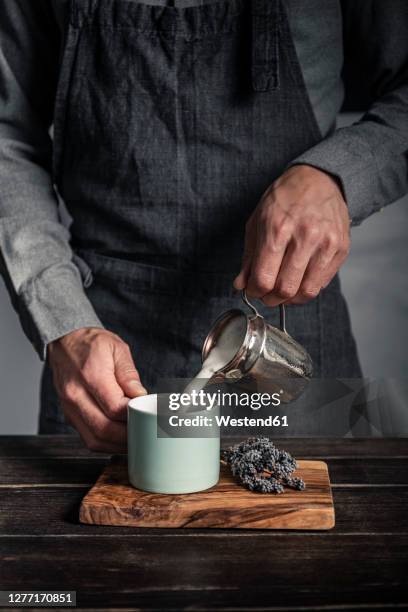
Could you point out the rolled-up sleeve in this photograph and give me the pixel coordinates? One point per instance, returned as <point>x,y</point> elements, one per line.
<point>37,263</point>
<point>370,157</point>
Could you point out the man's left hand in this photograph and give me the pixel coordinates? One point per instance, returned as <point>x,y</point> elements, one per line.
<point>296,239</point>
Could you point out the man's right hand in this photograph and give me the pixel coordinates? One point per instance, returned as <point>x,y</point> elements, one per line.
<point>95,376</point>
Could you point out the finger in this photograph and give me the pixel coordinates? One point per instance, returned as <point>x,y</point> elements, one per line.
<point>102,385</point>
<point>88,437</point>
<point>103,428</point>
<point>270,250</point>
<point>241,280</point>
<point>322,267</point>
<point>97,431</point>
<point>126,373</point>
<point>335,265</point>
<point>332,270</point>
<point>291,273</point>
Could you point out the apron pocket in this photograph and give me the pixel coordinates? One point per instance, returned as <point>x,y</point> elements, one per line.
<point>153,279</point>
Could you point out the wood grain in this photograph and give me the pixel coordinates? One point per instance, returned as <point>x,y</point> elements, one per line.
<point>50,470</point>
<point>361,564</point>
<point>302,448</point>
<point>255,571</point>
<point>113,501</point>
<point>54,511</point>
<point>344,471</point>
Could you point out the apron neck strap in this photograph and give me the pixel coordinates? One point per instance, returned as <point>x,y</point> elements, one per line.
<point>266,15</point>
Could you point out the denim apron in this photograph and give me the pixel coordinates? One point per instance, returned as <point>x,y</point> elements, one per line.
<point>170,123</point>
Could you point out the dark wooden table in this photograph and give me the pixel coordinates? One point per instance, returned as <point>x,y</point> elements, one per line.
<point>362,564</point>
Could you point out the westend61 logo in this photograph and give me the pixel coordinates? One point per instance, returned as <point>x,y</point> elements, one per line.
<point>209,401</point>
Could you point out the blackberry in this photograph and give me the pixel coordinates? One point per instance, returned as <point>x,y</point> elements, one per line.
<point>261,467</point>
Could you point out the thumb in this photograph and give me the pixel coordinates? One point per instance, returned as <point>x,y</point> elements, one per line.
<point>240,281</point>
<point>126,374</point>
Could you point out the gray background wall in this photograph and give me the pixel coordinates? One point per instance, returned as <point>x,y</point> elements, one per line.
<point>375,282</point>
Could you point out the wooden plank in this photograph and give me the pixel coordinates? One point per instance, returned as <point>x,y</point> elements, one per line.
<point>313,448</point>
<point>54,511</point>
<point>271,608</point>
<point>71,446</point>
<point>361,564</point>
<point>368,471</point>
<point>50,470</point>
<point>202,571</point>
<point>81,470</point>
<point>44,446</point>
<point>113,501</point>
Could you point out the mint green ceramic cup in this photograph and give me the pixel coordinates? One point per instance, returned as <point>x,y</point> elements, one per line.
<point>168,465</point>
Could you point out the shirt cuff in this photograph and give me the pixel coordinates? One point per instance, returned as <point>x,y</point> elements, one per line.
<point>348,158</point>
<point>54,304</point>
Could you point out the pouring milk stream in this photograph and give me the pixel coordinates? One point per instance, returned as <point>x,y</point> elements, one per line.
<point>225,349</point>
<point>244,345</point>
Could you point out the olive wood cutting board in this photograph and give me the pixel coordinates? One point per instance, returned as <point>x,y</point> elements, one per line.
<point>113,501</point>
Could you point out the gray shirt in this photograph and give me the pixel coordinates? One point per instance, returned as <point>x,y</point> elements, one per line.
<point>344,47</point>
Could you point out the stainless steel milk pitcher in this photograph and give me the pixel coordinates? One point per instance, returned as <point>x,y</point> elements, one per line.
<point>268,358</point>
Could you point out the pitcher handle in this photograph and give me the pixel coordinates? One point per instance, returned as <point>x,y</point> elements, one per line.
<point>249,304</point>
<point>282,316</point>
<point>282,313</point>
